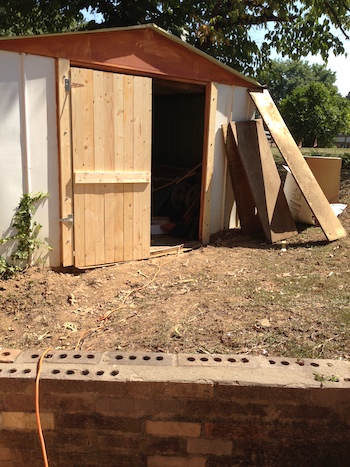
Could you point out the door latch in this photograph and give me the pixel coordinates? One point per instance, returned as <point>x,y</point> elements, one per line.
<point>69,219</point>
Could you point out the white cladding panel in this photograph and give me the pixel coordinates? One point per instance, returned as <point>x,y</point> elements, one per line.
<point>234,104</point>
<point>28,142</point>
<point>10,141</point>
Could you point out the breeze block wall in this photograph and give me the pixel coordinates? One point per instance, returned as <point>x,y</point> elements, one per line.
<point>162,410</point>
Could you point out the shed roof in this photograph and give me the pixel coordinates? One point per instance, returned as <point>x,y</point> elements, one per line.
<point>144,50</point>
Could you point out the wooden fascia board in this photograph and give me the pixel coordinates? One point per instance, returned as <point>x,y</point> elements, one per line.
<point>148,51</point>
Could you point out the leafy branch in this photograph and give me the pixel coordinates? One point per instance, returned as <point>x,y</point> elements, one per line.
<point>26,237</point>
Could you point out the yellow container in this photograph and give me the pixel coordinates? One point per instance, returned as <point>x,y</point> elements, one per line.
<point>327,173</point>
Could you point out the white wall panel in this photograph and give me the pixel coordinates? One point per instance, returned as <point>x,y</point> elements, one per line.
<point>223,116</point>
<point>28,141</point>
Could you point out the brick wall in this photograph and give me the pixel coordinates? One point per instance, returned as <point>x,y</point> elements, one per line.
<point>161,410</point>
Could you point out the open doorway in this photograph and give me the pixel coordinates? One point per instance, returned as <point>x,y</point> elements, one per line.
<point>177,154</point>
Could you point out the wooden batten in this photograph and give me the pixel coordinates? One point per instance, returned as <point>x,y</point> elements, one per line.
<point>301,172</point>
<point>112,177</point>
<point>65,162</point>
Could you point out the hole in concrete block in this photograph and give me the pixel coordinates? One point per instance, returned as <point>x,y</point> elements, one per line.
<point>114,372</point>
<point>146,357</point>
<point>84,372</point>
<point>204,359</point>
<point>55,372</point>
<point>5,354</point>
<point>12,370</point>
<point>34,355</point>
<point>90,356</point>
<point>272,362</point>
<point>314,364</point>
<point>119,357</point>
<point>191,359</point>
<point>49,355</point>
<point>232,360</point>
<point>77,355</point>
<point>63,355</point>
<point>284,363</point>
<point>70,372</point>
<point>244,360</point>
<point>100,372</point>
<point>27,370</point>
<point>159,358</point>
<point>132,357</point>
<point>217,359</point>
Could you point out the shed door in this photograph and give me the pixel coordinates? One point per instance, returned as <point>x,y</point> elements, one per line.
<point>111,138</point>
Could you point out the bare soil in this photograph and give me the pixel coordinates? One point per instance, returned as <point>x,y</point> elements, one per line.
<point>237,295</point>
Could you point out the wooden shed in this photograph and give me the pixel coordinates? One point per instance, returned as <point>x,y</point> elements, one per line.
<point>123,128</point>
<point>120,126</point>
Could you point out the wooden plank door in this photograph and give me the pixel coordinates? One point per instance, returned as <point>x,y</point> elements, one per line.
<point>301,172</point>
<point>111,139</point>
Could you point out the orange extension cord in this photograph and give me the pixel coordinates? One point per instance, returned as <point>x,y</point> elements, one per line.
<point>37,408</point>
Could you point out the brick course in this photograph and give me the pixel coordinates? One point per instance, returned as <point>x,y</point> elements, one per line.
<point>169,416</point>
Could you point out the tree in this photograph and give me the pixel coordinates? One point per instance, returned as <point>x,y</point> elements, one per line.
<point>226,29</point>
<point>25,17</point>
<point>315,114</point>
<point>283,76</point>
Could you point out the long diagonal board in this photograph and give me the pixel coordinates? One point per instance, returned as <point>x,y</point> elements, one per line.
<point>251,146</point>
<point>301,172</point>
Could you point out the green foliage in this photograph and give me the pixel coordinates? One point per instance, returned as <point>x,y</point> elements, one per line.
<point>283,76</point>
<point>25,17</point>
<point>315,114</point>
<point>322,378</point>
<point>226,29</point>
<point>26,236</point>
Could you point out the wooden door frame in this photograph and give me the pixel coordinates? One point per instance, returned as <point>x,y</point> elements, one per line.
<point>211,95</point>
<point>66,164</point>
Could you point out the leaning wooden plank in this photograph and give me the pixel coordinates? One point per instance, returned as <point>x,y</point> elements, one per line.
<point>246,206</point>
<point>264,180</point>
<point>112,177</point>
<point>301,172</point>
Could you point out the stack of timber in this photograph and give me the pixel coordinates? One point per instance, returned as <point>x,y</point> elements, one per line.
<point>261,203</point>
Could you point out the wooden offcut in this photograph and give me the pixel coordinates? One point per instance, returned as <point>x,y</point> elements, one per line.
<point>301,172</point>
<point>246,206</point>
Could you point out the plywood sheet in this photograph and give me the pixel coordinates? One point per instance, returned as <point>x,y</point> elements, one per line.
<point>301,172</point>
<point>263,179</point>
<point>246,205</point>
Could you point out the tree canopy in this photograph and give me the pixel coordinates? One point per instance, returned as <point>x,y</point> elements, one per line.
<point>283,76</point>
<point>316,114</point>
<point>241,33</point>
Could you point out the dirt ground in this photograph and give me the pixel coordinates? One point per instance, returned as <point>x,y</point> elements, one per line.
<point>238,295</point>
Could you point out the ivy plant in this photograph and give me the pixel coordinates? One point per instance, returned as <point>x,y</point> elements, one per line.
<point>25,236</point>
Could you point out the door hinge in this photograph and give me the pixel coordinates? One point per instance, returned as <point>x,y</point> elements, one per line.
<point>68,85</point>
<point>69,219</point>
